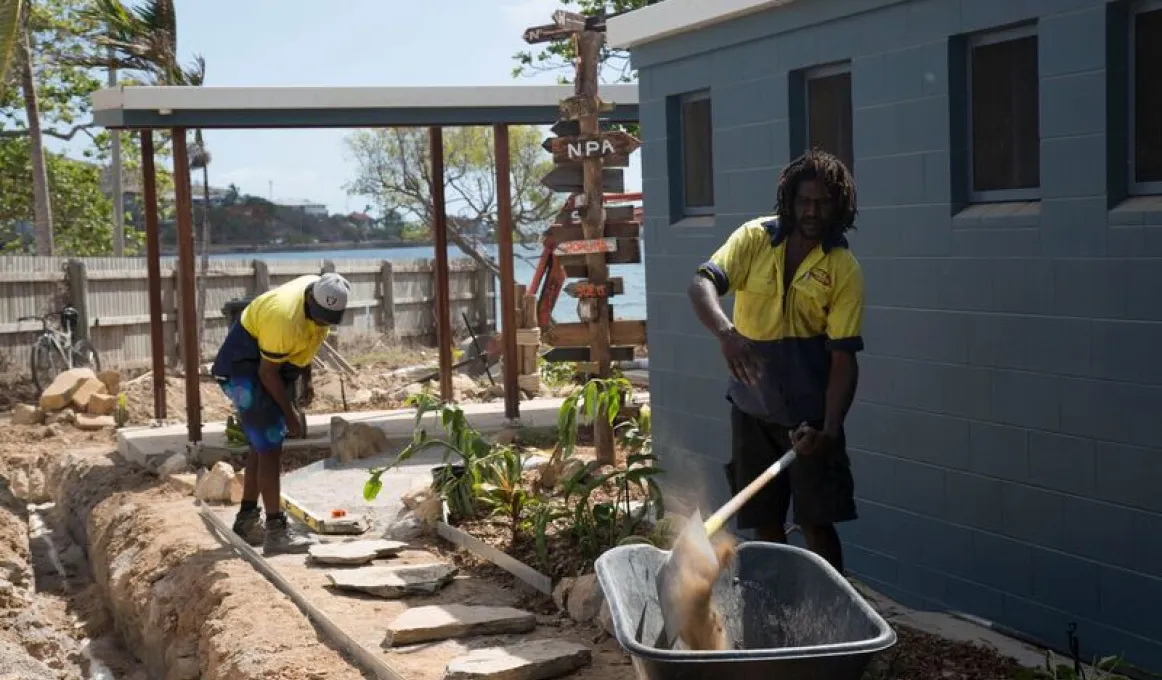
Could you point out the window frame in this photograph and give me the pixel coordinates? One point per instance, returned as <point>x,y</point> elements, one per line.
<point>818,73</point>
<point>982,40</point>
<point>1134,187</point>
<point>688,210</point>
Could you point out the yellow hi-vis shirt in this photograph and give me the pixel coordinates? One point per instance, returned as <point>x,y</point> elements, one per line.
<point>277,319</point>
<point>794,328</point>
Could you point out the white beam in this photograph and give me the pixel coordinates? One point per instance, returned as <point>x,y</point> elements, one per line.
<point>674,17</point>
<point>163,99</point>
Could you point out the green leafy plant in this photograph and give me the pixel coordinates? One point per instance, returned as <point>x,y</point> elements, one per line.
<point>234,432</point>
<point>597,396</point>
<point>121,411</point>
<point>460,488</point>
<point>1105,668</point>
<point>556,373</point>
<point>502,490</point>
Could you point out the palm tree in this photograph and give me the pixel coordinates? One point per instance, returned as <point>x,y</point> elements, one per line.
<point>15,41</point>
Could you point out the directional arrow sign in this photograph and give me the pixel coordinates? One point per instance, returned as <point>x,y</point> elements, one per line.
<point>572,128</point>
<point>569,20</point>
<point>587,289</point>
<point>606,144</point>
<point>570,179</point>
<point>586,247</point>
<point>581,105</point>
<point>546,33</point>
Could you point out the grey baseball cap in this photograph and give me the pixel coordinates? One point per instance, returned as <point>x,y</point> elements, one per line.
<point>327,298</point>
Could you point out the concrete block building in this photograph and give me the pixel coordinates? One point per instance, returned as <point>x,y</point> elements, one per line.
<point>1007,435</point>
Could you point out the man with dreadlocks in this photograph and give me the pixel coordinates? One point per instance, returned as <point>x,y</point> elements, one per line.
<point>791,349</point>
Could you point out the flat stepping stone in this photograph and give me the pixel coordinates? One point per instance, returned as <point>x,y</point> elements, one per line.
<point>392,583</point>
<point>534,660</point>
<point>442,622</point>
<point>354,553</point>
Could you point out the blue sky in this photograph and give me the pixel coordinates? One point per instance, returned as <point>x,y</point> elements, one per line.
<point>352,43</point>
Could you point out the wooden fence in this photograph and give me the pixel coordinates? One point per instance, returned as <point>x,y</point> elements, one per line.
<point>394,298</point>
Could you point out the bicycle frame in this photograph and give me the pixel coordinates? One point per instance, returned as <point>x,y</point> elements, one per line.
<point>63,342</point>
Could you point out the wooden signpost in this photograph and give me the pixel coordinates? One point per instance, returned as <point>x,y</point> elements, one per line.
<point>588,156</point>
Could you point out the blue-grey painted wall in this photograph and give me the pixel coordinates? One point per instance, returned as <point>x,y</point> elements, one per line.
<point>1006,438</point>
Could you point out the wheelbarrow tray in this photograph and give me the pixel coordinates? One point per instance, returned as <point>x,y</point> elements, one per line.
<point>788,614</point>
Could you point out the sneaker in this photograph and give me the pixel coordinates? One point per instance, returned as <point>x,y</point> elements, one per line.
<point>248,526</point>
<point>283,538</point>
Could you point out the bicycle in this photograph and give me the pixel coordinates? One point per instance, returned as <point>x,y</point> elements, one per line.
<point>55,351</point>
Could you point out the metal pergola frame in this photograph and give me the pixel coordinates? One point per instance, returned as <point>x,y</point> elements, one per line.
<point>145,109</point>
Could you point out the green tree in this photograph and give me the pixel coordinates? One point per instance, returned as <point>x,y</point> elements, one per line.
<point>393,168</point>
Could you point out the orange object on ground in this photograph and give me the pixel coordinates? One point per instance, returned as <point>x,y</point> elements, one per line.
<point>338,512</point>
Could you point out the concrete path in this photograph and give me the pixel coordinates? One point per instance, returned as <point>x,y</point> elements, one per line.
<point>151,446</point>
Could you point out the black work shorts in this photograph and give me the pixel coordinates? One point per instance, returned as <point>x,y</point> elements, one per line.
<point>821,486</point>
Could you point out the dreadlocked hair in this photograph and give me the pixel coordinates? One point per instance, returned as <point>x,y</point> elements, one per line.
<point>823,166</point>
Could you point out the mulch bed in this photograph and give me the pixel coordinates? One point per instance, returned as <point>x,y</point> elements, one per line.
<point>923,656</point>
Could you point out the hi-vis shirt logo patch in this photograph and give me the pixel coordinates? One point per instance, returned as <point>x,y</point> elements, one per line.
<point>821,276</point>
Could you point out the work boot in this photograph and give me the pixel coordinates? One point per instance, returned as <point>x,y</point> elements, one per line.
<point>283,538</point>
<point>248,526</point>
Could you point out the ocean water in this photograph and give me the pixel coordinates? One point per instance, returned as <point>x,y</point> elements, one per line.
<point>630,305</point>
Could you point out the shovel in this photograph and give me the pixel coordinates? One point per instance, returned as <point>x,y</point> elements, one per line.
<point>693,549</point>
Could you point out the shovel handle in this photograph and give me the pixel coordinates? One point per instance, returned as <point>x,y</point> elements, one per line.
<point>715,521</point>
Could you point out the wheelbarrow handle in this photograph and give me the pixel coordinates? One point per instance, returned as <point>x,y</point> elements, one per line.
<point>718,519</point>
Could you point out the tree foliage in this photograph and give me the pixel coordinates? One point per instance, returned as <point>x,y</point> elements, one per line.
<point>393,167</point>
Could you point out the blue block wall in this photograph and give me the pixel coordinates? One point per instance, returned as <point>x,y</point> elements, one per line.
<point>1006,436</point>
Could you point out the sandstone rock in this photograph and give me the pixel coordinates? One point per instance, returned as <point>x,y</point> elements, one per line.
<point>354,553</point>
<point>496,390</point>
<point>422,501</point>
<point>353,441</point>
<point>442,622</point>
<point>50,431</point>
<point>112,380</point>
<point>406,527</point>
<point>58,394</point>
<point>27,414</point>
<point>532,660</point>
<point>585,599</point>
<point>84,421</point>
<point>37,491</point>
<point>561,592</point>
<point>360,398</point>
<point>462,383</point>
<point>175,464</point>
<point>413,389</point>
<point>214,486</point>
<point>65,417</point>
<point>102,404</point>
<point>605,618</point>
<point>85,392</point>
<point>18,484</point>
<point>505,437</point>
<point>393,583</point>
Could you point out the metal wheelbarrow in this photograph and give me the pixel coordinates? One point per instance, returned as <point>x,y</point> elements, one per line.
<point>789,615</point>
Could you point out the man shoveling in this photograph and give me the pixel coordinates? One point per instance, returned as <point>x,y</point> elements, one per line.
<point>791,348</point>
<point>277,337</point>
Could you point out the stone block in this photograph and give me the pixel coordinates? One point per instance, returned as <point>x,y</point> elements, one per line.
<point>58,394</point>
<point>101,404</point>
<point>443,622</point>
<point>27,414</point>
<point>85,421</point>
<point>354,553</point>
<point>85,391</point>
<point>393,583</point>
<point>112,380</point>
<point>532,660</point>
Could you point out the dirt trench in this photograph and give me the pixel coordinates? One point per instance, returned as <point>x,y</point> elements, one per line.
<point>145,588</point>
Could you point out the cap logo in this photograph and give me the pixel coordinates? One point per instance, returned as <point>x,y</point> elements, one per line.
<point>332,300</point>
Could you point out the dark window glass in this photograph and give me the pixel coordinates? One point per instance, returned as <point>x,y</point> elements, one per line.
<point>697,153</point>
<point>1148,96</point>
<point>829,116</point>
<point>1006,135</point>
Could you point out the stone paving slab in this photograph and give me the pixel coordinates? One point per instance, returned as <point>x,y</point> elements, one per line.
<point>441,622</point>
<point>393,583</point>
<point>354,553</point>
<point>534,660</point>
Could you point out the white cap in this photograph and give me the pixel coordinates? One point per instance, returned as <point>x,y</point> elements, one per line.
<point>328,298</point>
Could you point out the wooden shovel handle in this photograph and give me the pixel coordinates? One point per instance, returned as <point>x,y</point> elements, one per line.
<point>715,521</point>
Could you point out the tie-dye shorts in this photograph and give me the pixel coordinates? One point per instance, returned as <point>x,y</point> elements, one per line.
<point>261,417</point>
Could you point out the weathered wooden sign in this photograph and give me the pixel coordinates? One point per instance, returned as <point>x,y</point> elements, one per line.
<point>621,332</point>
<point>546,33</point>
<point>572,128</point>
<point>605,146</point>
<point>561,233</point>
<point>570,20</point>
<point>628,251</point>
<point>580,106</point>
<point>586,246</point>
<point>579,354</point>
<point>586,289</point>
<point>568,179</point>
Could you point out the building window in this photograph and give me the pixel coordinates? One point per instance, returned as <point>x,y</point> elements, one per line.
<point>1146,99</point>
<point>828,99</point>
<point>1003,117</point>
<point>697,154</point>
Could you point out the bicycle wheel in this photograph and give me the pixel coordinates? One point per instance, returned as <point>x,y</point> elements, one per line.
<point>46,363</point>
<point>85,355</point>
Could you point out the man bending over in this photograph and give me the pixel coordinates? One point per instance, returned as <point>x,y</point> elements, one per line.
<point>275,340</point>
